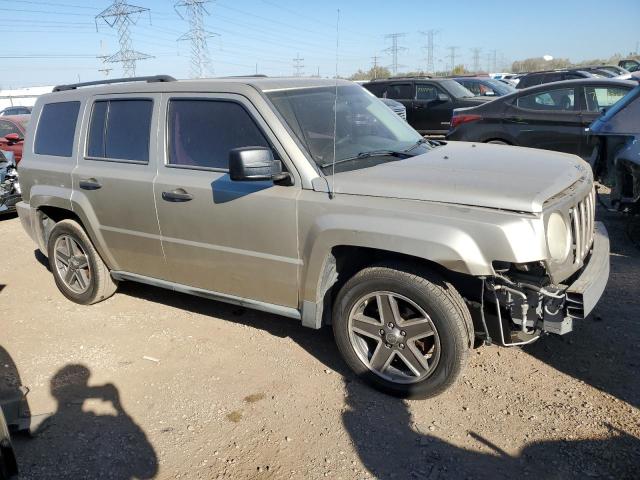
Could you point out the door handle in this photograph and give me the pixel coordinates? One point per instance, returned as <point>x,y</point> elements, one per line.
<point>89,184</point>
<point>177,195</point>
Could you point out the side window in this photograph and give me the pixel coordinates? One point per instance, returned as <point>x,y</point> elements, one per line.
<point>426,92</point>
<point>552,77</point>
<point>376,88</point>
<point>400,91</point>
<point>561,99</point>
<point>598,98</point>
<point>202,132</point>
<point>7,127</point>
<point>57,129</point>
<point>120,130</point>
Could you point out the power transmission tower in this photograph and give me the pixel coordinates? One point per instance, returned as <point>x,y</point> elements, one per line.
<point>430,34</point>
<point>121,15</point>
<point>298,66</point>
<point>452,56</point>
<point>197,35</point>
<point>494,60</point>
<point>374,67</point>
<point>476,59</point>
<point>394,49</point>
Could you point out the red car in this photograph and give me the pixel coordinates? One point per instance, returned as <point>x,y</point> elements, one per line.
<point>12,128</point>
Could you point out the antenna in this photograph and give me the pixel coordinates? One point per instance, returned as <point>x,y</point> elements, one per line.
<point>335,113</point>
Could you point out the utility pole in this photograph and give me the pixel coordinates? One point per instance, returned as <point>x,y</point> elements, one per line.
<point>121,15</point>
<point>476,59</point>
<point>430,34</point>
<point>298,66</point>
<point>452,56</point>
<point>103,57</point>
<point>394,49</point>
<point>195,11</point>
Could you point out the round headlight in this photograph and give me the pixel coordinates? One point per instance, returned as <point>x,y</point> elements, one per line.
<point>558,237</point>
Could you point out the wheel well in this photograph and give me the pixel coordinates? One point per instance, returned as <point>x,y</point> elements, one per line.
<point>345,261</point>
<point>47,217</point>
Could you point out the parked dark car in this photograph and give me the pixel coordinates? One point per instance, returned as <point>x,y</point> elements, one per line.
<point>17,110</point>
<point>538,78</point>
<point>398,108</point>
<point>429,101</point>
<point>618,132</point>
<point>553,116</point>
<point>485,87</point>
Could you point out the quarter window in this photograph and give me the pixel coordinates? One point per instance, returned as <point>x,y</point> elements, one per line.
<point>202,132</point>
<point>561,99</point>
<point>120,130</point>
<point>598,98</point>
<point>56,129</point>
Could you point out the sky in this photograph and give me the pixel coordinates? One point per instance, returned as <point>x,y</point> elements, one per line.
<point>56,41</point>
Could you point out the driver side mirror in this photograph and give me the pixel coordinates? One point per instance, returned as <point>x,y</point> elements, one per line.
<point>443,97</point>
<point>12,137</point>
<point>254,164</point>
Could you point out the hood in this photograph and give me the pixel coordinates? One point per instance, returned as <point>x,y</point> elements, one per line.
<point>464,173</point>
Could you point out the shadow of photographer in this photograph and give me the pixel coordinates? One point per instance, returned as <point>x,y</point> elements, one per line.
<point>76,442</point>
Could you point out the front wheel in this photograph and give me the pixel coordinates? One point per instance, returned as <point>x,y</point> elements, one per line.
<point>403,332</point>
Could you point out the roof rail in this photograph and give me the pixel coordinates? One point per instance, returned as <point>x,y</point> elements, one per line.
<point>151,79</point>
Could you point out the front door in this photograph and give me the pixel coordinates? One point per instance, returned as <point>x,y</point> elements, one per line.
<point>235,238</point>
<point>431,113</point>
<point>114,179</point>
<point>547,119</point>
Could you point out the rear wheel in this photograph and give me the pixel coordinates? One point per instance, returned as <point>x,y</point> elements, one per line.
<point>401,331</point>
<point>78,270</point>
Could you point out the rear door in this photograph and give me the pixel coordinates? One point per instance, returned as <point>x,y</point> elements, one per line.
<point>115,176</point>
<point>232,238</point>
<point>548,119</point>
<point>594,99</point>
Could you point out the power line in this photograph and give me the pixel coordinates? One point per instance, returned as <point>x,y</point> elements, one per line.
<point>197,35</point>
<point>298,66</point>
<point>121,15</point>
<point>394,49</point>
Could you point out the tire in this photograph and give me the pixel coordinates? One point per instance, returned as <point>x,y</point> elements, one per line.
<point>417,294</point>
<point>90,281</point>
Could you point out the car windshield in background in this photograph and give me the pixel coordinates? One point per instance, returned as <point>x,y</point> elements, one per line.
<point>457,90</point>
<point>501,88</point>
<point>367,132</point>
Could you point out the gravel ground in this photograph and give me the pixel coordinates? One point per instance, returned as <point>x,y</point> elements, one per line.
<point>154,384</point>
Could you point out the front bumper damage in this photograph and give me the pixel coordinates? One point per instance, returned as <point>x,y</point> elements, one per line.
<point>525,308</point>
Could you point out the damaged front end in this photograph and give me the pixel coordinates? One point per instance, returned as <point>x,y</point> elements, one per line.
<point>525,302</point>
<point>10,192</point>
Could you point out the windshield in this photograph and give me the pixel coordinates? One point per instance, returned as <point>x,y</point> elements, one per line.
<point>501,88</point>
<point>457,90</point>
<point>363,125</point>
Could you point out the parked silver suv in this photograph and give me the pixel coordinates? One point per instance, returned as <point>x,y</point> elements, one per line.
<point>311,199</point>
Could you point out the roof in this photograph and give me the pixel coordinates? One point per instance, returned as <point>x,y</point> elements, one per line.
<point>163,84</point>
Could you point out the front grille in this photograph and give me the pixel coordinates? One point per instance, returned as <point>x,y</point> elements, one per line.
<point>582,218</point>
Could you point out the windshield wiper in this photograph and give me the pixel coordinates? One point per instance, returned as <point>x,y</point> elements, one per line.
<point>373,153</point>
<point>422,141</point>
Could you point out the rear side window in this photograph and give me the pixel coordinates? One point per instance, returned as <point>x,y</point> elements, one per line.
<point>560,99</point>
<point>400,91</point>
<point>202,132</point>
<point>120,130</point>
<point>376,88</point>
<point>56,129</point>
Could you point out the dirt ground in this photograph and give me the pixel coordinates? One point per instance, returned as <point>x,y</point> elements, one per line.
<point>154,384</point>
